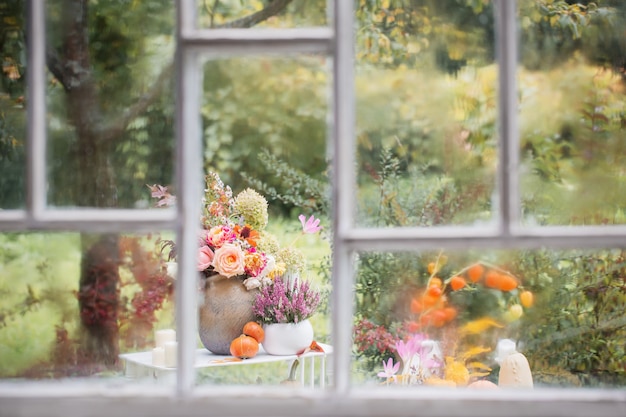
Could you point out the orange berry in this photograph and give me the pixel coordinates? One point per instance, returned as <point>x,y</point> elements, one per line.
<point>450,313</point>
<point>475,272</point>
<point>416,306</point>
<point>457,283</point>
<point>426,319</point>
<point>507,283</point>
<point>434,291</point>
<point>434,281</point>
<point>413,326</point>
<point>492,279</point>
<point>431,268</point>
<point>428,301</point>
<point>439,318</point>
<point>526,298</point>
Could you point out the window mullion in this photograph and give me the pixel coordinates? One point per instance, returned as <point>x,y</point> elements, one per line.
<point>506,52</point>
<point>344,180</point>
<point>189,178</point>
<point>36,107</point>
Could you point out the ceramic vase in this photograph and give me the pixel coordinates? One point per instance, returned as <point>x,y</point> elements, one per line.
<point>224,308</point>
<point>287,338</point>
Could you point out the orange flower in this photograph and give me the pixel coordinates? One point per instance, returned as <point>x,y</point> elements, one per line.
<point>248,234</point>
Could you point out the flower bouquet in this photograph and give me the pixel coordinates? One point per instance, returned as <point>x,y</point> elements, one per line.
<point>236,257</point>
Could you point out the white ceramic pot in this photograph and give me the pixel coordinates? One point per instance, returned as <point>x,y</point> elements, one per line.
<point>287,338</point>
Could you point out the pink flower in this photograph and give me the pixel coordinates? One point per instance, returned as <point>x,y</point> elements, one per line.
<point>311,225</point>
<point>254,262</point>
<point>389,369</point>
<point>216,209</point>
<point>162,195</point>
<point>205,258</point>
<point>229,260</point>
<point>219,235</point>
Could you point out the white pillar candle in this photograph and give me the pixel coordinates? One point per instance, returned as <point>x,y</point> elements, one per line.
<point>161,337</point>
<point>170,354</point>
<point>158,356</point>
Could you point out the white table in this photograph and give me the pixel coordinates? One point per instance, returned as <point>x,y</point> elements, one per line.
<point>139,364</point>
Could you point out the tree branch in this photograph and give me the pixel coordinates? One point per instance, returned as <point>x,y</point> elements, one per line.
<point>114,129</point>
<point>272,9</point>
<point>55,67</point>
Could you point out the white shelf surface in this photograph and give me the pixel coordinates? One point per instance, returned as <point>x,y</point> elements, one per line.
<point>206,359</point>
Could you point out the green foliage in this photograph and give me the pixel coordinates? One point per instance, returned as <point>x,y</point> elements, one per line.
<point>553,30</point>
<point>47,267</point>
<point>12,157</point>
<point>252,104</point>
<point>409,32</point>
<point>577,336</point>
<point>297,189</point>
<point>578,151</point>
<point>12,118</point>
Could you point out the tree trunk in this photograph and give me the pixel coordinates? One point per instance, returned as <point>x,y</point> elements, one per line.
<point>98,297</point>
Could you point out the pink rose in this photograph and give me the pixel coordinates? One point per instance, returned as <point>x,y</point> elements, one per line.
<point>220,235</point>
<point>228,260</point>
<point>205,258</point>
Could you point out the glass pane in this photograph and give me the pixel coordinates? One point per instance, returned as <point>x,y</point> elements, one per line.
<point>426,107</point>
<point>73,303</point>
<point>12,107</point>
<point>514,319</point>
<point>573,107</point>
<point>276,14</point>
<point>263,260</point>
<point>110,102</point>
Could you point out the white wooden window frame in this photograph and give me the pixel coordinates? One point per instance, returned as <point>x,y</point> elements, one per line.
<point>78,398</point>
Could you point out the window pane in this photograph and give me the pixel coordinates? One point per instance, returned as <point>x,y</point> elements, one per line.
<point>426,106</point>
<point>264,132</point>
<point>12,107</point>
<point>72,303</point>
<point>276,14</point>
<point>573,107</point>
<point>467,316</point>
<point>110,101</point>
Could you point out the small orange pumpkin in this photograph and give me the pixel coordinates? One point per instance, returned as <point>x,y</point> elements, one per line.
<point>244,347</point>
<point>254,329</point>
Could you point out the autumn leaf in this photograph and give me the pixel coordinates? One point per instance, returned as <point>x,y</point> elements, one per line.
<point>479,326</point>
<point>473,351</point>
